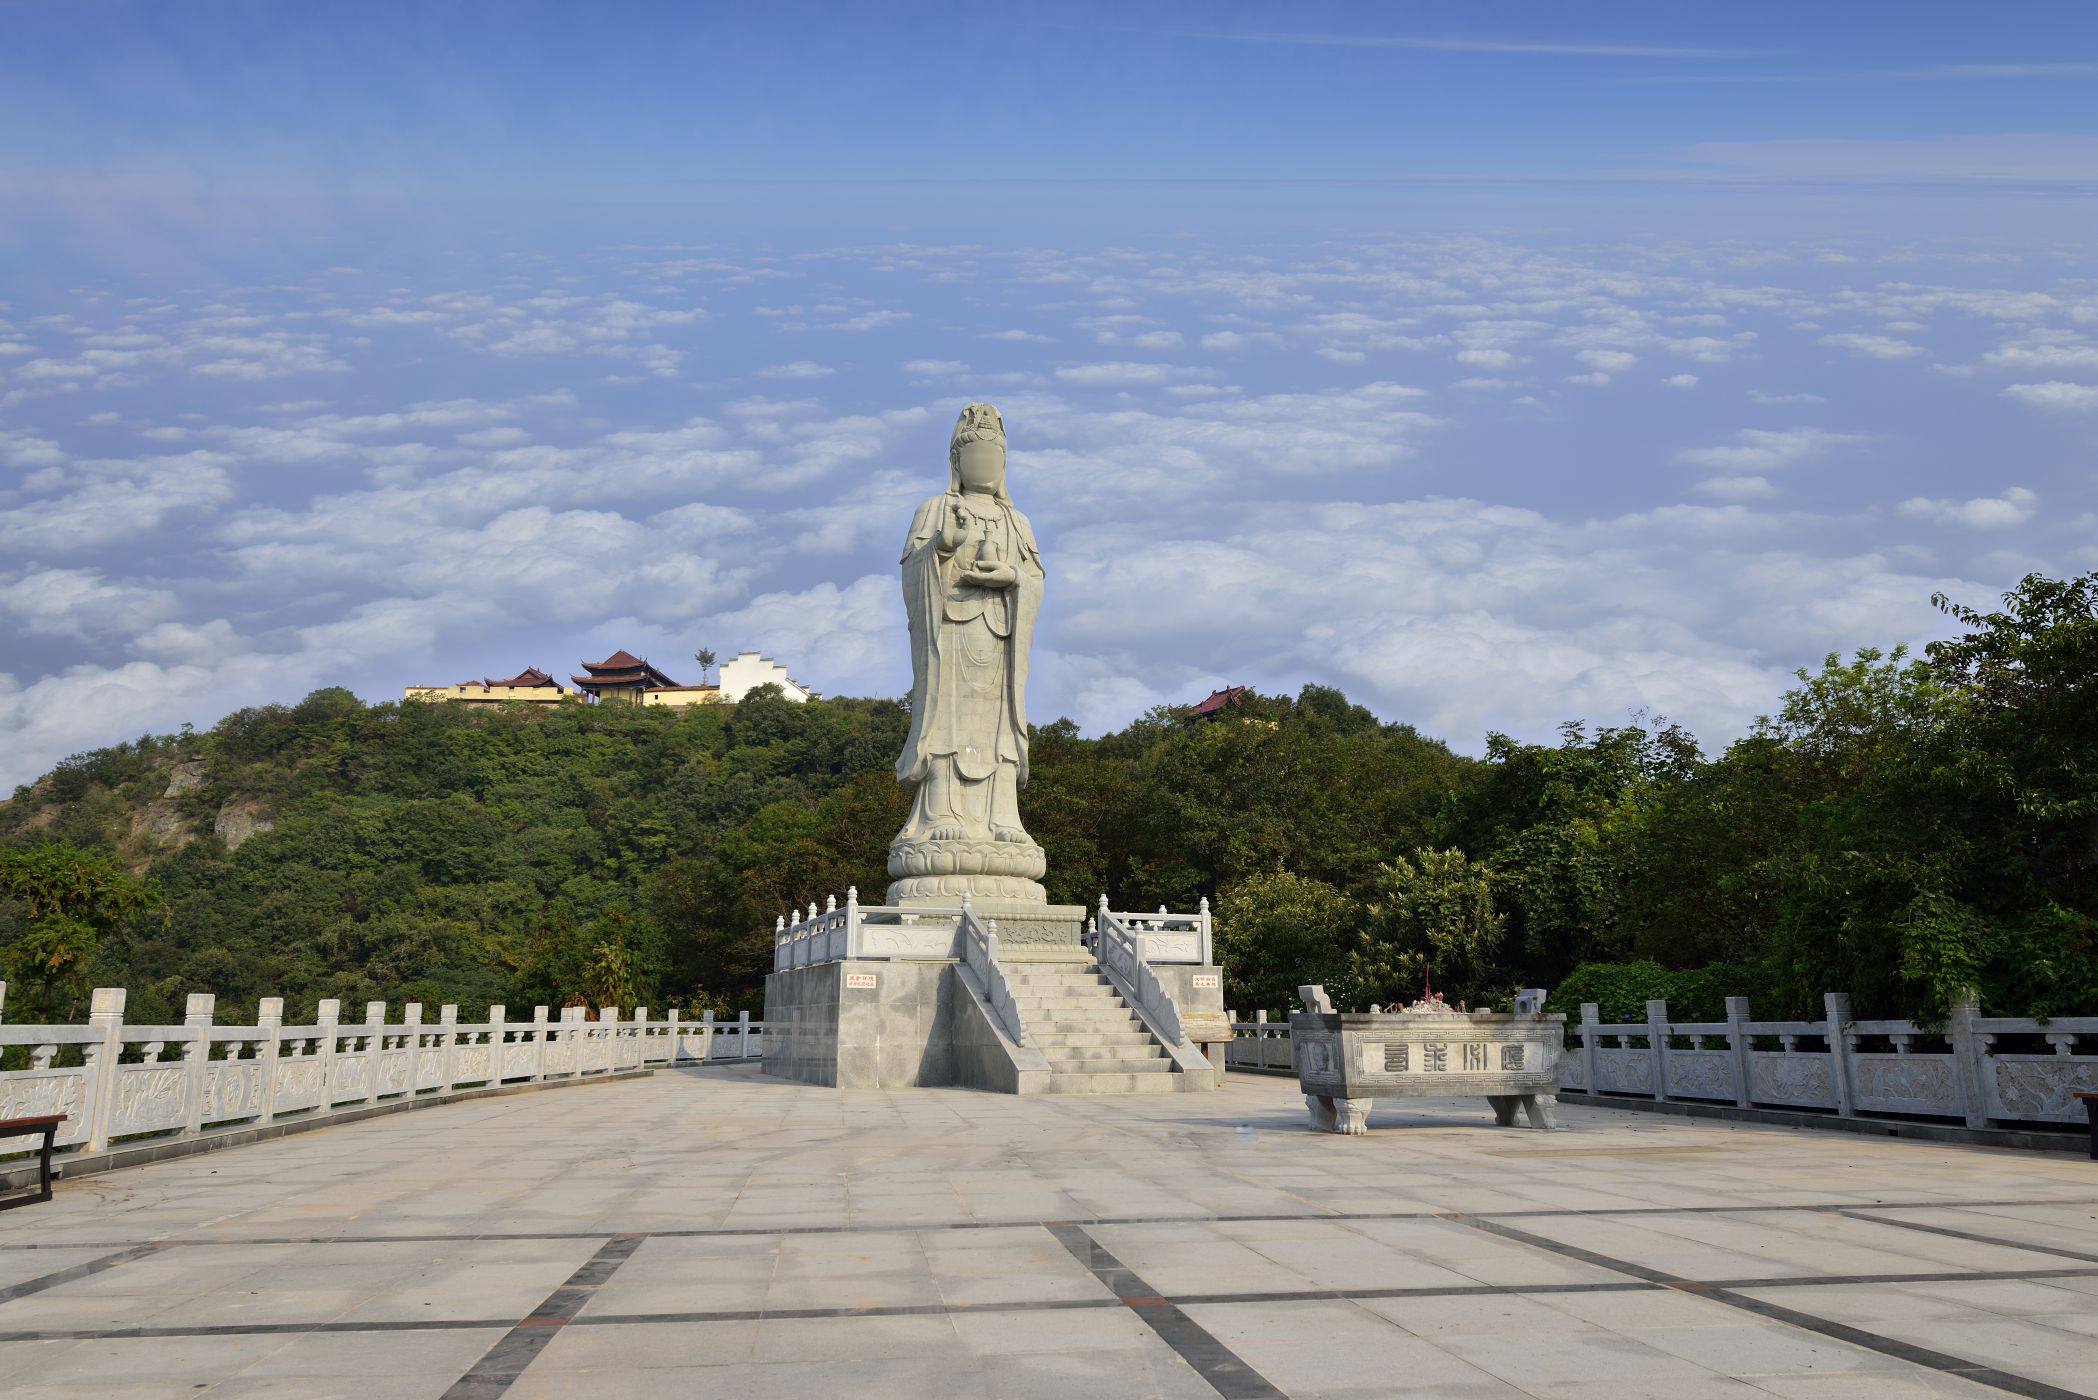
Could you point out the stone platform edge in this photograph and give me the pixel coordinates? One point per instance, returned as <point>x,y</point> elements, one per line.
<point>2070,1138</point>
<point>137,1154</point>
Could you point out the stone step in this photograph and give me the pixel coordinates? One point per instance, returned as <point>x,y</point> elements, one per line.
<point>1048,1001</point>
<point>1065,1083</point>
<point>1106,1058</point>
<point>1070,1039</point>
<point>1028,982</point>
<point>1102,1026</point>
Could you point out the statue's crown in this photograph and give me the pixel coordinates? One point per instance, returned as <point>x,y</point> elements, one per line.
<point>979,417</point>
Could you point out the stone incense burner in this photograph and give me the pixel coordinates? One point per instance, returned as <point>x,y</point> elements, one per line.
<point>1347,1061</point>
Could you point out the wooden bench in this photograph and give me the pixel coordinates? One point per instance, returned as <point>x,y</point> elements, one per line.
<point>2090,1108</point>
<point>47,1124</point>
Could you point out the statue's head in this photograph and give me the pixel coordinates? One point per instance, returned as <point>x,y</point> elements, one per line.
<point>976,454</point>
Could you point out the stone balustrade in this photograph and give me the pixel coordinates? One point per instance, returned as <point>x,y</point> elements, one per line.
<point>849,931</point>
<point>117,1082</point>
<point>1977,1070</point>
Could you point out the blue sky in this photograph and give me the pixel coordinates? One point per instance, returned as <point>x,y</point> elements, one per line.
<point>1502,365</point>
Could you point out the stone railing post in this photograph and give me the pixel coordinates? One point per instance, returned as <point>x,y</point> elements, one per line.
<point>743,1034</point>
<point>106,1014</point>
<point>498,1036</point>
<point>1591,1047</point>
<point>639,1035</point>
<point>577,1035</point>
<point>269,1019</point>
<point>539,1035</point>
<point>1970,1049</point>
<point>196,1015</point>
<point>326,1016</point>
<point>374,1047</point>
<point>677,1045</point>
<point>852,921</point>
<point>706,1036</point>
<point>608,1021</point>
<point>1207,950</point>
<point>412,1018</point>
<point>1657,1046</point>
<point>447,1038</point>
<point>1840,1069</point>
<point>1741,1044</point>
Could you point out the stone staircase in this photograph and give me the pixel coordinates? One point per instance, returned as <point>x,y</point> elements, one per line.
<point>1094,1043</point>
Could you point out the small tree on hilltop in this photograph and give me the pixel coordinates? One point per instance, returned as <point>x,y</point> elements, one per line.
<point>705,657</point>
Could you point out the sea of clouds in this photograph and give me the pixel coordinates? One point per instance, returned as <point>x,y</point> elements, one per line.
<point>1479,483</point>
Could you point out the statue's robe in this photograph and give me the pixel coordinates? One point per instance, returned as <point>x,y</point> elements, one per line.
<point>969,649</point>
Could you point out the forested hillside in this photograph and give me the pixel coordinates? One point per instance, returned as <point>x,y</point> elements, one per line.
<point>1899,827</point>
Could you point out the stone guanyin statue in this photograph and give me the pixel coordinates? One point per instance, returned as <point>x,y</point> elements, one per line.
<point>972,585</point>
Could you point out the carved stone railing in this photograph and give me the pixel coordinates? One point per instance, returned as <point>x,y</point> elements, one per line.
<point>1972,1070</point>
<point>1122,957</point>
<point>980,956</point>
<point>1171,938</point>
<point>855,931</point>
<point>115,1081</point>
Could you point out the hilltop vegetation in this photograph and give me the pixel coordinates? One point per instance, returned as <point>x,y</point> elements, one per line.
<point>1899,828</point>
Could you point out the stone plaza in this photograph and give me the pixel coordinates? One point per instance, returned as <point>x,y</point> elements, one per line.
<point>715,1230</point>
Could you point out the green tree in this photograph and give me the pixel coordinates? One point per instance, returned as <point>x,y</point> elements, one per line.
<point>1432,918</point>
<point>57,904</point>
<point>1277,932</point>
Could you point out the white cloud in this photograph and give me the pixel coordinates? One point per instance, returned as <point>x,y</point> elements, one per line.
<point>1763,449</point>
<point>2054,354</point>
<point>81,603</point>
<point>1736,488</point>
<point>1680,381</point>
<point>2055,396</point>
<point>2014,507</point>
<point>797,369</point>
<point>1874,347</point>
<point>109,501</point>
<point>935,369</point>
<point>1123,373</point>
<point>1783,400</point>
<point>1019,337</point>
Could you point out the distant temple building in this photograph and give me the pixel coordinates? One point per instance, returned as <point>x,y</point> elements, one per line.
<point>1231,697</point>
<point>621,676</point>
<point>531,685</point>
<point>626,677</point>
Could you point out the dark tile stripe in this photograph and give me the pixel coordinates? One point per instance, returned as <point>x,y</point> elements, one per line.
<point>504,1362</point>
<point>908,1227</point>
<point>1213,1361</point>
<point>1185,1300</point>
<point>59,1276</point>
<point>1906,1351</point>
<point>1972,1235</point>
<point>1869,1341</point>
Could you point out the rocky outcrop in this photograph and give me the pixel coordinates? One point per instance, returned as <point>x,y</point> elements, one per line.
<point>159,825</point>
<point>239,819</point>
<point>187,777</point>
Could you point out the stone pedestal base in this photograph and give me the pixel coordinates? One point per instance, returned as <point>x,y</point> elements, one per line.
<point>1026,927</point>
<point>941,872</point>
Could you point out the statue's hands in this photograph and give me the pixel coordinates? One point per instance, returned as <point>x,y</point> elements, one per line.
<point>988,575</point>
<point>954,530</point>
